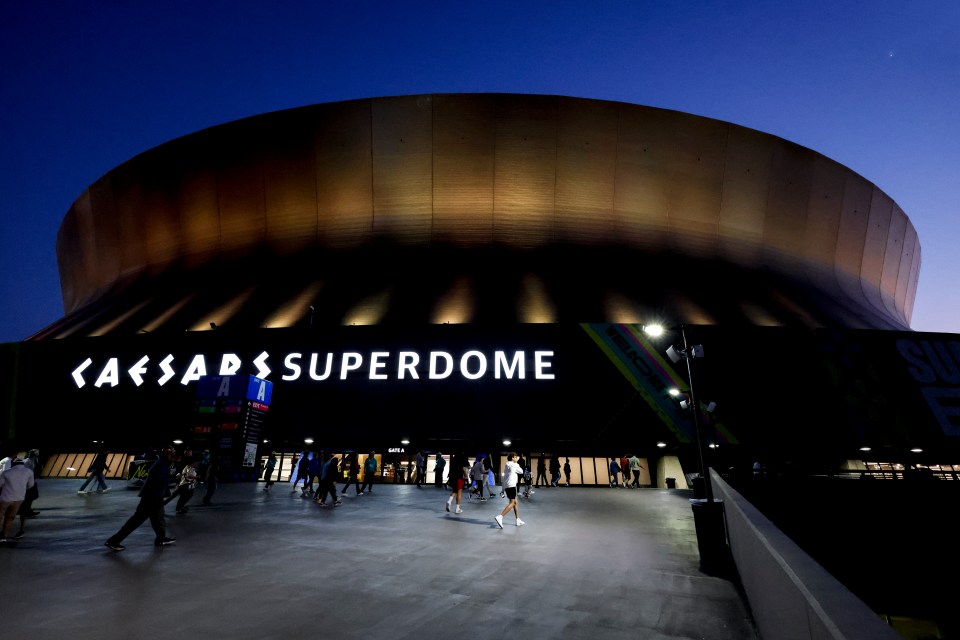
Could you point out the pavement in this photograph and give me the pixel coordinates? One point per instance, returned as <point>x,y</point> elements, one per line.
<point>590,563</point>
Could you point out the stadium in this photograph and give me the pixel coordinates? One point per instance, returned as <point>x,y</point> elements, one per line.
<point>478,272</point>
<point>459,270</point>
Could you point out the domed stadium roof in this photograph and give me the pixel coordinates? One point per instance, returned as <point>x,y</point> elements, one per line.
<point>481,208</point>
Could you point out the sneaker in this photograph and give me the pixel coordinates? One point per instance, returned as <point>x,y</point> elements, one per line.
<point>448,504</point>
<point>459,510</point>
<point>483,499</point>
<point>322,504</point>
<point>360,493</point>
<point>520,522</point>
<point>114,546</point>
<point>338,502</point>
<point>105,489</point>
<point>19,534</point>
<point>499,520</point>
<point>81,492</point>
<point>164,542</point>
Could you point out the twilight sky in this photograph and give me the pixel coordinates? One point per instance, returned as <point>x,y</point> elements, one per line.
<point>85,86</point>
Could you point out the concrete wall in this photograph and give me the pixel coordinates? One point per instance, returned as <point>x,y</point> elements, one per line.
<point>792,597</point>
<point>669,467</point>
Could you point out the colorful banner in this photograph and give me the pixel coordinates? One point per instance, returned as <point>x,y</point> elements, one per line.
<point>642,365</point>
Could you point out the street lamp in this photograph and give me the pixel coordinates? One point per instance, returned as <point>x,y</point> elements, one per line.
<point>708,514</point>
<point>688,353</point>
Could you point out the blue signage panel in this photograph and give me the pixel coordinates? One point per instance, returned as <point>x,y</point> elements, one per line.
<point>259,390</point>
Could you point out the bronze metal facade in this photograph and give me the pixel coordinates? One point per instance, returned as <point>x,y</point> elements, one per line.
<point>548,208</point>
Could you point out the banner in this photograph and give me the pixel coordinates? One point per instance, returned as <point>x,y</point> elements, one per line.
<point>642,365</point>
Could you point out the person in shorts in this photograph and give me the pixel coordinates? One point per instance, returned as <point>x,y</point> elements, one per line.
<point>511,473</point>
<point>459,472</point>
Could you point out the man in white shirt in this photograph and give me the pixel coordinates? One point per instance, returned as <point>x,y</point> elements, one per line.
<point>14,483</point>
<point>635,467</point>
<point>511,472</point>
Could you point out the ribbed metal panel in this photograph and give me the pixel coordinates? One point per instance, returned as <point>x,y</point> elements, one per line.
<point>521,174</point>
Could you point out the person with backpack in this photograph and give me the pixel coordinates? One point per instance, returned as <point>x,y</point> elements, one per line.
<point>438,468</point>
<point>369,473</point>
<point>328,479</point>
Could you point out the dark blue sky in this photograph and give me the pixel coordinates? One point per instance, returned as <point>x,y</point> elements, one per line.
<point>84,86</point>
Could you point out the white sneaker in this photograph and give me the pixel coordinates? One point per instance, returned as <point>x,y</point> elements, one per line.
<point>520,522</point>
<point>499,520</point>
<point>459,510</point>
<point>448,505</point>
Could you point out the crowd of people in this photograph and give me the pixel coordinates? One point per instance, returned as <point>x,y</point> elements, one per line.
<point>176,476</point>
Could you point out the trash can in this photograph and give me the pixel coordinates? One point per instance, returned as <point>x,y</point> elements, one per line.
<point>708,519</point>
<point>671,483</point>
<point>699,487</point>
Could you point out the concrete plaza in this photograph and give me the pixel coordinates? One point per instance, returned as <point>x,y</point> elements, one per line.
<point>590,563</point>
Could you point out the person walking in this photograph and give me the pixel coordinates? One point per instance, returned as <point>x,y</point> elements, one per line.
<point>541,472</point>
<point>512,472</point>
<point>459,472</point>
<point>479,475</point>
<point>438,468</point>
<point>524,478</point>
<point>421,468</point>
<point>566,471</point>
<point>491,478</point>
<point>555,471</point>
<point>33,463</point>
<point>625,468</point>
<point>314,470</point>
<point>210,476</point>
<point>369,473</point>
<point>14,484</point>
<point>96,471</point>
<point>328,480</point>
<point>352,463</point>
<point>614,472</point>
<point>635,467</point>
<point>186,485</point>
<point>302,473</point>
<point>150,505</point>
<point>268,470</point>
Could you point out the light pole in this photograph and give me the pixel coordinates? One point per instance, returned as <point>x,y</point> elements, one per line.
<point>708,514</point>
<point>689,355</point>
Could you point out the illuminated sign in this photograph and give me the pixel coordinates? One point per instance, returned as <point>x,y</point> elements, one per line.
<point>318,367</point>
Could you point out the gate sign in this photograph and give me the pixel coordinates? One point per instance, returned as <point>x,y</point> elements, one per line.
<point>240,387</point>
